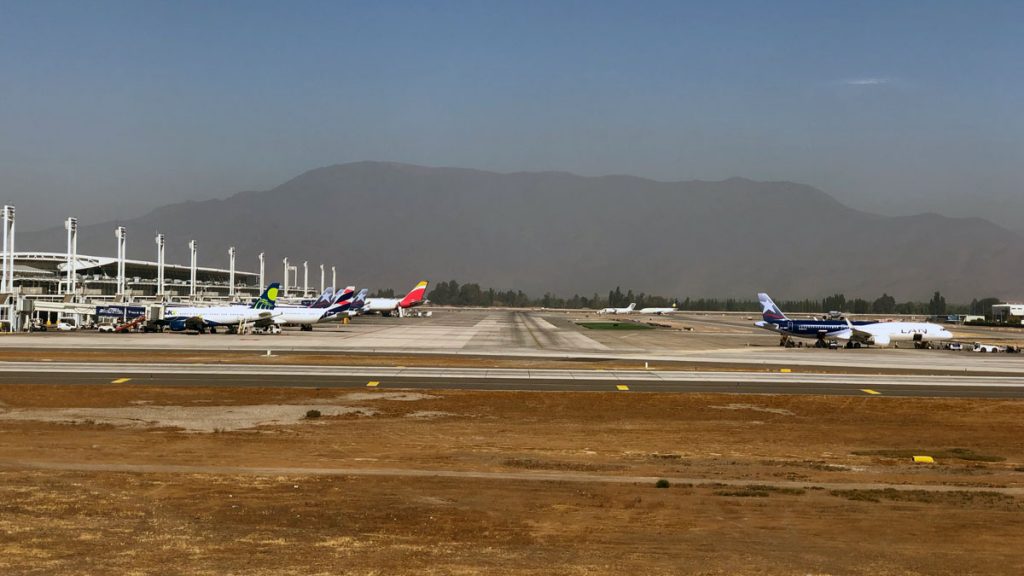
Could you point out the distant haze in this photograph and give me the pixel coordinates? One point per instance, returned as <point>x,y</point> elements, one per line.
<point>108,109</point>
<point>391,225</point>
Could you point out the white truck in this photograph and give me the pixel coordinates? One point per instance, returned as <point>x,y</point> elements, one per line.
<point>980,347</point>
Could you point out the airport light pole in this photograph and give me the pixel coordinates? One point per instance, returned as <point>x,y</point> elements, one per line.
<point>334,278</point>
<point>262,270</point>
<point>7,283</point>
<point>71,224</point>
<point>305,278</point>
<point>3,281</point>
<point>160,240</point>
<point>285,286</point>
<point>193,248</point>
<point>231,272</point>
<point>121,233</point>
<point>321,278</point>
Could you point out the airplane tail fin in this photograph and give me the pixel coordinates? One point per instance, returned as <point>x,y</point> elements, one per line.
<point>360,300</point>
<point>268,299</point>
<point>325,299</point>
<point>415,296</point>
<point>769,311</point>
<point>344,295</point>
<point>343,303</point>
<point>631,307</point>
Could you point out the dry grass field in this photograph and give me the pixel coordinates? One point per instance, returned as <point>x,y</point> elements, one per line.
<point>133,479</point>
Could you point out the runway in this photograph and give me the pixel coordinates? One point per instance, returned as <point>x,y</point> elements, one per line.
<point>73,373</point>
<point>541,334</point>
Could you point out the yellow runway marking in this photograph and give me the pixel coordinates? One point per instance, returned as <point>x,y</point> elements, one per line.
<point>869,391</point>
<point>621,387</point>
<point>787,370</point>
<point>120,381</point>
<point>373,384</point>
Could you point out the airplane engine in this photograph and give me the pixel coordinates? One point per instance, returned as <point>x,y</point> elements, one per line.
<point>880,340</point>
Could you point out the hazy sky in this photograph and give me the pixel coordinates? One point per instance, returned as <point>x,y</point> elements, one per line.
<point>107,108</point>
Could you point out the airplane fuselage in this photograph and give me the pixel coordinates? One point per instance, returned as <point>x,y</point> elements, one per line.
<point>216,315</point>
<point>809,328</point>
<point>658,311</point>
<point>881,333</point>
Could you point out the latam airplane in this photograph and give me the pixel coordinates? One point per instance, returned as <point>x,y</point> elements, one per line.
<point>389,306</point>
<point>855,334</point>
<point>627,310</point>
<point>200,318</point>
<point>305,317</point>
<point>352,307</point>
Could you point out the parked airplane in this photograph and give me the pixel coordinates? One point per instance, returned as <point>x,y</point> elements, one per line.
<point>855,334</point>
<point>305,317</point>
<point>389,306</point>
<point>627,310</point>
<point>200,318</point>
<point>352,306</point>
<point>659,311</point>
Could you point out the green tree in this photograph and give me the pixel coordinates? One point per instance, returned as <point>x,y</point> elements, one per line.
<point>984,306</point>
<point>885,304</point>
<point>937,305</point>
<point>836,302</point>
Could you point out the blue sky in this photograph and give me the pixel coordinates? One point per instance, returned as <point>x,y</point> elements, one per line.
<point>108,108</point>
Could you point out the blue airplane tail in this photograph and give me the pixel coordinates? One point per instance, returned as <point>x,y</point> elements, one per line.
<point>360,300</point>
<point>325,299</point>
<point>344,301</point>
<point>769,311</point>
<point>268,299</point>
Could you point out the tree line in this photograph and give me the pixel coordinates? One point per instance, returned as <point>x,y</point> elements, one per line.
<point>451,293</point>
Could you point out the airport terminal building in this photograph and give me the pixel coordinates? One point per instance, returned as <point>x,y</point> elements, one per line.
<point>46,287</point>
<point>41,288</point>
<point>44,275</point>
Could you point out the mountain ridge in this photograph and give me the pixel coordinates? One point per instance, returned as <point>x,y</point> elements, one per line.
<point>388,224</point>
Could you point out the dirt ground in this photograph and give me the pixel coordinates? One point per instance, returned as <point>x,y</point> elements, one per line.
<point>131,479</point>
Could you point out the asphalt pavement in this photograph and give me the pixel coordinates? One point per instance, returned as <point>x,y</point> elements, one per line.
<point>618,381</point>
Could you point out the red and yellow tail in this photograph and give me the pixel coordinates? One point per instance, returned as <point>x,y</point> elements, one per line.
<point>414,297</point>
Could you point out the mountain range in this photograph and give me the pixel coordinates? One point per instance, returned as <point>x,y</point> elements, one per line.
<point>390,225</point>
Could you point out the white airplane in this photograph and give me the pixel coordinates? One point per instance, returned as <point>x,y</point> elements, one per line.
<point>659,311</point>
<point>627,310</point>
<point>199,318</point>
<point>854,334</point>
<point>389,306</point>
<point>885,333</point>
